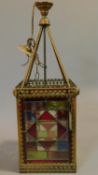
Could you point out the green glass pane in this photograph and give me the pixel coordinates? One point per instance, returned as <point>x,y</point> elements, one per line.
<point>42,134</point>
<point>33,155</point>
<point>55,105</point>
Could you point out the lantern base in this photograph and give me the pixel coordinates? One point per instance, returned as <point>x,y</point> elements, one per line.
<point>49,169</point>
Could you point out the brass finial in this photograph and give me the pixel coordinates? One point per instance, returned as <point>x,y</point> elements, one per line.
<point>44,7</point>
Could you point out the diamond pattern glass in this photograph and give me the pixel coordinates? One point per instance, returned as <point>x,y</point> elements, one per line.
<point>46,130</point>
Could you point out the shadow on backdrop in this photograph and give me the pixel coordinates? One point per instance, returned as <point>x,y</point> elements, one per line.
<point>9,156</point>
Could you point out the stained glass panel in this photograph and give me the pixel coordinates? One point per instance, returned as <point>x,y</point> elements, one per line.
<point>46,130</point>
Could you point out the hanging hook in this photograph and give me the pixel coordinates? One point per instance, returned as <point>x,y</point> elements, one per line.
<point>28,49</point>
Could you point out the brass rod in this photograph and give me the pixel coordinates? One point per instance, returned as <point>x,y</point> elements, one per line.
<point>45,61</point>
<point>33,16</point>
<point>54,88</point>
<point>70,120</point>
<point>29,70</point>
<point>58,58</point>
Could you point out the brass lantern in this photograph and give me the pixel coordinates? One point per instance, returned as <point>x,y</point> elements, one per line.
<point>46,111</point>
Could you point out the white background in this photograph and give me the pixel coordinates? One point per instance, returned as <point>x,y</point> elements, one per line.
<point>75,29</point>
